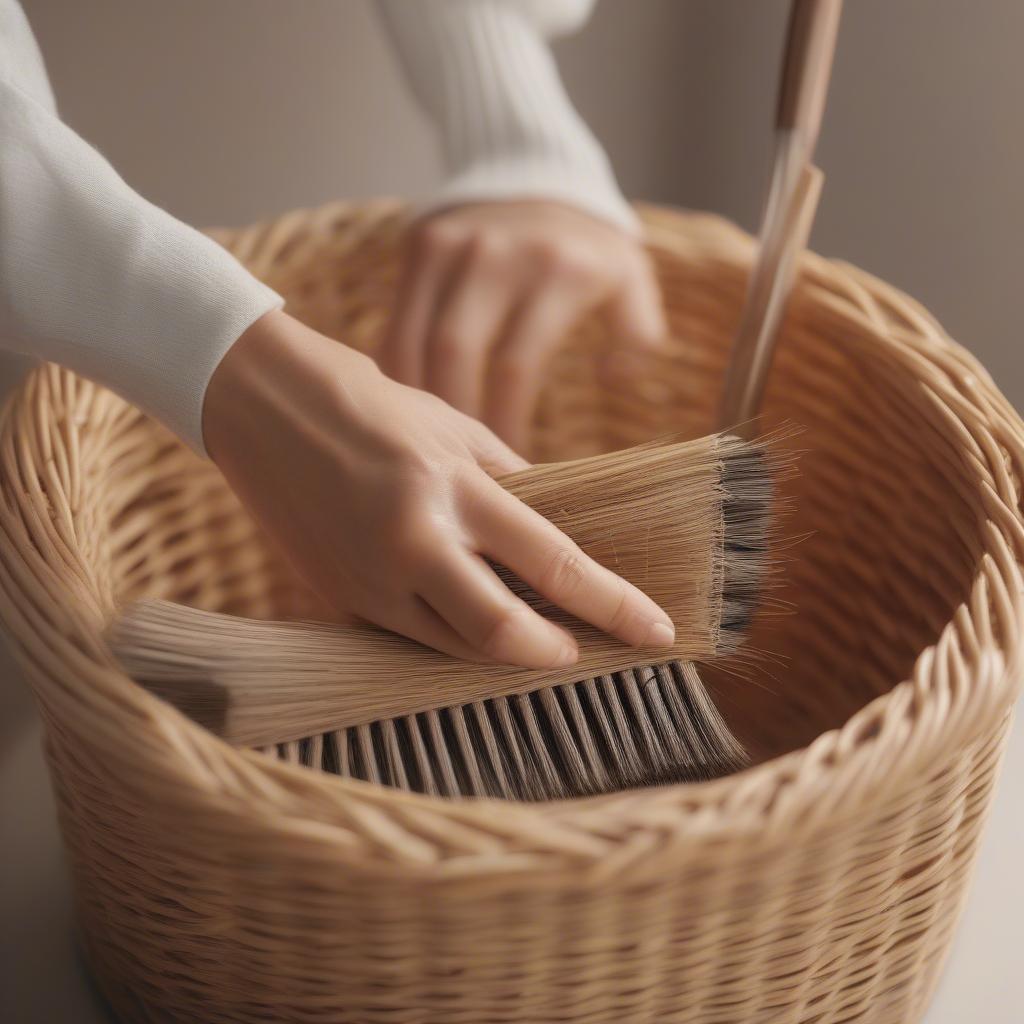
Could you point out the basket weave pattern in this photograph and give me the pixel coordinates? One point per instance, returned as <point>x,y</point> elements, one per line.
<point>823,885</point>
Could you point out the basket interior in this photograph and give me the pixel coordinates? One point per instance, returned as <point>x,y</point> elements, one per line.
<point>883,538</point>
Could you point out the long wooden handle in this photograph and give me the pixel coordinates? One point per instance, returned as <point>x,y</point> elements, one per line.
<point>807,66</point>
<point>789,212</point>
<point>770,286</point>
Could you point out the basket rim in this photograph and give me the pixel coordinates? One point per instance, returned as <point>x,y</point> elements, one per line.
<point>962,685</point>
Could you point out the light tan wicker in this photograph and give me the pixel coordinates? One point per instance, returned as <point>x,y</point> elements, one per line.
<point>823,885</point>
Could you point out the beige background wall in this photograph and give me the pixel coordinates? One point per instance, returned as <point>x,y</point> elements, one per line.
<point>229,110</point>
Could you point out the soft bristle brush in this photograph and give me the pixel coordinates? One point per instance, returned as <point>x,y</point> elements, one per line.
<point>688,522</point>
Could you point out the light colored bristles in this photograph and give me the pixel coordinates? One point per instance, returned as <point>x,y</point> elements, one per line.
<point>686,522</point>
<point>690,523</point>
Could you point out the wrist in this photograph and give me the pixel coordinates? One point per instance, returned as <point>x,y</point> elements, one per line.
<point>277,369</point>
<point>589,191</point>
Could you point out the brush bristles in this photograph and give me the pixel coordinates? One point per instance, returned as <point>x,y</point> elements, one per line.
<point>749,474</point>
<point>690,523</point>
<point>647,726</point>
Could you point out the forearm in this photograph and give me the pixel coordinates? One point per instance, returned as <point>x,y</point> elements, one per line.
<point>483,72</point>
<point>93,276</point>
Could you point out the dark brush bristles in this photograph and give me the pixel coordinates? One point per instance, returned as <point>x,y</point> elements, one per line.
<point>748,478</point>
<point>643,727</point>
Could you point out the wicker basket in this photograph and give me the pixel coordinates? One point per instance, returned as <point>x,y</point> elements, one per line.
<point>823,885</point>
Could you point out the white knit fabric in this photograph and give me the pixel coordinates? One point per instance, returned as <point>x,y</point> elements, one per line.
<point>482,71</point>
<point>94,277</point>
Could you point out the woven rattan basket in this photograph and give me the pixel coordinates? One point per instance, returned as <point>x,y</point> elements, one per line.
<point>822,885</point>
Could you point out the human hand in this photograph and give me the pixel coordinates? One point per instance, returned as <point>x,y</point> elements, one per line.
<point>382,498</point>
<point>490,290</point>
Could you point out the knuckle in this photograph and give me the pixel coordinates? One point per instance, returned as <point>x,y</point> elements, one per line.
<point>565,573</point>
<point>438,235</point>
<point>504,631</point>
<point>566,262</point>
<point>623,614</point>
<point>466,481</point>
<point>486,248</point>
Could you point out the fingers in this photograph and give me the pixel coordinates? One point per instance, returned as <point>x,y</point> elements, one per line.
<point>517,537</point>
<point>635,313</point>
<point>516,373</point>
<point>433,251</point>
<point>415,619</point>
<point>465,592</point>
<point>570,288</point>
<point>490,291</point>
<point>466,325</point>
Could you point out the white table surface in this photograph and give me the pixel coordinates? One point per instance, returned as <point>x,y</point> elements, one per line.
<point>42,980</point>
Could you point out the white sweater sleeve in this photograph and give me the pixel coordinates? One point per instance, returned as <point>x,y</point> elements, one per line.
<point>483,72</point>
<point>93,276</point>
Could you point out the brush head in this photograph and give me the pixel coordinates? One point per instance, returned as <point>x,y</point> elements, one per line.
<point>690,523</point>
<point>749,525</point>
<point>646,726</point>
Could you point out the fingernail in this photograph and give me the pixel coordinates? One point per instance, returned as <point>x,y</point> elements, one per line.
<point>660,635</point>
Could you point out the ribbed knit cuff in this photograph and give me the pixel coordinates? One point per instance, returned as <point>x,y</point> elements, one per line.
<point>483,71</point>
<point>510,180</point>
<point>94,277</point>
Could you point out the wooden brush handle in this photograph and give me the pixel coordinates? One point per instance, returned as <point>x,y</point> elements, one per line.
<point>806,67</point>
<point>789,213</point>
<point>770,287</point>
